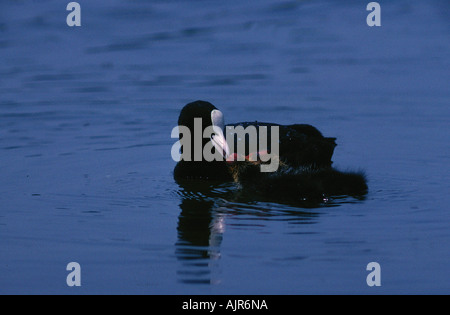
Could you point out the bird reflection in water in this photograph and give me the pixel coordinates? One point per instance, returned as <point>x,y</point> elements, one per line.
<point>201,225</point>
<point>205,206</point>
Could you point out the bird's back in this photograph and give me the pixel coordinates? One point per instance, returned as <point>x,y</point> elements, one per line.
<point>299,145</point>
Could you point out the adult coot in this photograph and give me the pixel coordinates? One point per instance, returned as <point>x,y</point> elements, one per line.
<point>304,157</point>
<point>193,164</point>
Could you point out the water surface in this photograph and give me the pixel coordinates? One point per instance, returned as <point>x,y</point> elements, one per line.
<point>86,171</point>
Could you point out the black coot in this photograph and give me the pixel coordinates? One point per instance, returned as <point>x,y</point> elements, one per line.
<point>304,157</point>
<point>299,145</point>
<point>189,167</point>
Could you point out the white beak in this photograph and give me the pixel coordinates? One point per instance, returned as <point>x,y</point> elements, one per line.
<point>218,139</point>
<point>220,143</point>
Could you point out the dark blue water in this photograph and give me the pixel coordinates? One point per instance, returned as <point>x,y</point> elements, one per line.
<point>86,172</point>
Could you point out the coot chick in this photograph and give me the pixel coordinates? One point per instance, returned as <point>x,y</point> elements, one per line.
<point>297,183</point>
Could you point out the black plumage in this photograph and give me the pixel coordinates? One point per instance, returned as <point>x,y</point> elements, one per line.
<point>305,161</point>
<point>299,145</point>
